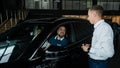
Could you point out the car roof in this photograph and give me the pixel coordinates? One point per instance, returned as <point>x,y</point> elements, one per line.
<point>42,20</point>
<point>53,20</point>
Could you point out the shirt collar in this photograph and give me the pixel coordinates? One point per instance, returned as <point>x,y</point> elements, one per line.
<point>98,23</point>
<point>60,38</point>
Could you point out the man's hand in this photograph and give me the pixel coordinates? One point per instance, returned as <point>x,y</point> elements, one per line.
<point>85,47</point>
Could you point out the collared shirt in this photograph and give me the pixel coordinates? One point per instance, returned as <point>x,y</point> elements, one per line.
<point>56,37</point>
<point>102,41</point>
<point>58,42</point>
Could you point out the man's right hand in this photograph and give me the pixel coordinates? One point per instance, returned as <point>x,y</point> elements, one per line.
<point>85,47</point>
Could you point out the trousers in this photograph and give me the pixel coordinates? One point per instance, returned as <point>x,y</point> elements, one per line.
<point>98,63</point>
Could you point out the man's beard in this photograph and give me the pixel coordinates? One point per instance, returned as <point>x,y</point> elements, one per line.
<point>61,36</point>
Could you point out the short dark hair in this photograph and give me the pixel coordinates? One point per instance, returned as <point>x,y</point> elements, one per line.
<point>99,9</point>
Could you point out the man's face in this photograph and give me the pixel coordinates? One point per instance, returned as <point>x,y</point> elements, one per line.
<point>61,31</point>
<point>91,16</point>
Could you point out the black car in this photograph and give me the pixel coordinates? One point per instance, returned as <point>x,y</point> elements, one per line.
<point>23,44</point>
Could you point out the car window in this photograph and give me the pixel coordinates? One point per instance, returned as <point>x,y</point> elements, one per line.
<point>82,29</point>
<point>54,33</point>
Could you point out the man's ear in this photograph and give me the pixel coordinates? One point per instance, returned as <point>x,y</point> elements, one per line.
<point>94,14</point>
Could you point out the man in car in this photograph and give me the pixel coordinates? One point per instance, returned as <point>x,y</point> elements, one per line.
<point>59,39</point>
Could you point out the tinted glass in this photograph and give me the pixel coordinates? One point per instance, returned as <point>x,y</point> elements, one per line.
<point>14,41</point>
<point>82,29</point>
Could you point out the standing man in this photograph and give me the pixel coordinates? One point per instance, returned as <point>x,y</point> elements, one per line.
<point>102,46</point>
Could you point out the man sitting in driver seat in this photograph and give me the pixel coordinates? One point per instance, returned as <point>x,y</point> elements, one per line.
<point>59,39</point>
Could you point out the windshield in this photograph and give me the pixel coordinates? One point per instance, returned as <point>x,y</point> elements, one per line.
<point>14,41</point>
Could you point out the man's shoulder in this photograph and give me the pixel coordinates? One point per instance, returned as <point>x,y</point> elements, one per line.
<point>66,39</point>
<point>105,25</point>
<point>52,38</point>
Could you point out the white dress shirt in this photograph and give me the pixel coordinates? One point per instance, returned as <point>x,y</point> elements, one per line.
<point>102,46</point>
